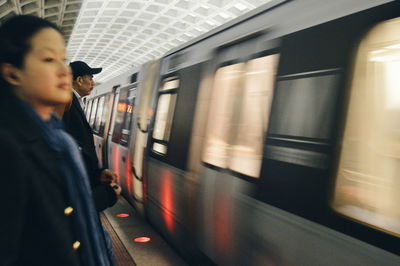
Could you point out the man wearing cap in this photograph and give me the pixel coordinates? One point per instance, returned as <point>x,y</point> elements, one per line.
<point>105,190</point>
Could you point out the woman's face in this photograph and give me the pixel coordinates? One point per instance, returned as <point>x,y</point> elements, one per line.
<point>44,81</point>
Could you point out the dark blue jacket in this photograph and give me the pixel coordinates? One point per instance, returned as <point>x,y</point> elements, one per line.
<point>34,227</point>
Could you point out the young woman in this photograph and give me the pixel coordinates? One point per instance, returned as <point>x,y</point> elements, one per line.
<point>48,217</point>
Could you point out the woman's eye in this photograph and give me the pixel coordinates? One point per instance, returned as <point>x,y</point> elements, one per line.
<point>48,59</point>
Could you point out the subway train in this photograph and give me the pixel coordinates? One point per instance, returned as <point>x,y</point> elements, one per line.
<point>271,140</point>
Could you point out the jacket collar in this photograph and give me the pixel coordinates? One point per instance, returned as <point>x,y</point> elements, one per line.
<point>17,121</point>
<point>80,99</point>
<point>77,106</point>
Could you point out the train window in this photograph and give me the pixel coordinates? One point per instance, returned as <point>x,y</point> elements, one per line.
<point>99,114</point>
<point>240,107</point>
<point>257,93</point>
<point>93,112</point>
<point>159,148</point>
<point>106,107</point>
<point>165,110</point>
<point>134,77</point>
<point>367,181</point>
<point>130,108</point>
<point>225,91</point>
<point>172,84</point>
<point>119,118</point>
<point>88,109</point>
<point>303,105</point>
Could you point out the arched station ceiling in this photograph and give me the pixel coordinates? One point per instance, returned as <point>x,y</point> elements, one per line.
<point>119,35</point>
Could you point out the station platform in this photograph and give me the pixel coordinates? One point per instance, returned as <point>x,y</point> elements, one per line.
<point>125,225</point>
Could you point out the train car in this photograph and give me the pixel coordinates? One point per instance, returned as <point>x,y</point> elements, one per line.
<point>118,113</point>
<point>271,140</point>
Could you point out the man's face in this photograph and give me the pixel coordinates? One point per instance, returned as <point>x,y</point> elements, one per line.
<point>85,85</point>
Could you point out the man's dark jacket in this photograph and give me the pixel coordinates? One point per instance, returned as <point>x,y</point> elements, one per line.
<point>75,123</point>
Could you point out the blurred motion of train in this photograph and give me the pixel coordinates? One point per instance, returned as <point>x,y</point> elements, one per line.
<point>273,140</point>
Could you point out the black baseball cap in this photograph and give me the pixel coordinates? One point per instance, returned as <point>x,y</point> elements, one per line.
<point>80,68</point>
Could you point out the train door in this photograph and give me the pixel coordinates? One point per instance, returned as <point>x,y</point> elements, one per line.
<point>121,132</point>
<point>166,183</point>
<point>143,114</point>
<point>236,111</point>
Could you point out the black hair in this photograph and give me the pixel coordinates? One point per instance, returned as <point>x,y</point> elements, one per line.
<point>15,36</point>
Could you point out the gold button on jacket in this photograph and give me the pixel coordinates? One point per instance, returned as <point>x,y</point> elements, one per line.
<point>68,211</point>
<point>76,245</point>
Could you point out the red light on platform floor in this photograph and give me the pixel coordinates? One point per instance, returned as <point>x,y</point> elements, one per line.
<point>122,215</point>
<point>142,239</point>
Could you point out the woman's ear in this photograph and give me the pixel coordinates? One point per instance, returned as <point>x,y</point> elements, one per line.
<point>10,74</point>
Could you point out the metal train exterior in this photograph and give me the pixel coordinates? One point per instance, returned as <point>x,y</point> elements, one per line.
<point>270,141</point>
